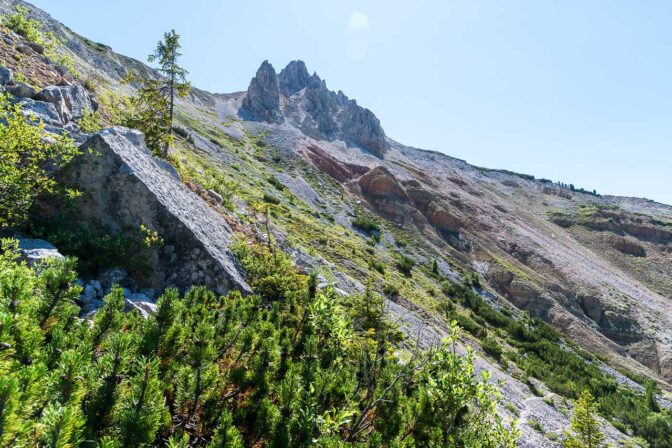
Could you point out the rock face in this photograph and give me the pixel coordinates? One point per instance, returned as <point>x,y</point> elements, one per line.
<point>383,190</point>
<point>71,102</point>
<point>124,187</point>
<point>5,75</point>
<point>293,78</point>
<point>262,101</point>
<point>401,202</point>
<point>627,246</point>
<point>305,101</point>
<point>40,111</point>
<point>21,90</point>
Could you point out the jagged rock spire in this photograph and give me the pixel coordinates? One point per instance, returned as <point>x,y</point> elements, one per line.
<point>262,101</point>
<point>310,106</point>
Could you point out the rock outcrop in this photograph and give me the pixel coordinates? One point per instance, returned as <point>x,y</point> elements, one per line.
<point>305,101</point>
<point>627,246</point>
<point>124,187</point>
<point>71,102</point>
<point>386,194</point>
<point>262,101</point>
<point>293,78</point>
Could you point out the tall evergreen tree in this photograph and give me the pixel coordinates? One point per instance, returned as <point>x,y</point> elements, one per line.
<point>166,54</point>
<point>585,427</point>
<point>153,107</point>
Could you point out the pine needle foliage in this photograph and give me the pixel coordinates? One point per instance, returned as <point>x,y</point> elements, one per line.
<point>585,427</point>
<point>294,366</point>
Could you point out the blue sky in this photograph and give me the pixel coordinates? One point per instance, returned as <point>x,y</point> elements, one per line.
<point>578,91</point>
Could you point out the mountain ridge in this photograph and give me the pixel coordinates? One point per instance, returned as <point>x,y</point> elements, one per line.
<point>538,248</point>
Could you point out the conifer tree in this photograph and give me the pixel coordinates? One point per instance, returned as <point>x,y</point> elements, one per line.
<point>166,54</point>
<point>153,107</point>
<point>149,113</point>
<point>226,435</point>
<point>141,410</point>
<point>585,428</point>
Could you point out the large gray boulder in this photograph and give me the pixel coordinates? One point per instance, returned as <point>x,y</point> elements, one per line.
<point>20,90</point>
<point>124,187</point>
<point>40,111</point>
<point>71,102</point>
<point>35,251</point>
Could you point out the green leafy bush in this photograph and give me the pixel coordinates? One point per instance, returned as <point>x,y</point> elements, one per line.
<point>32,30</point>
<point>405,264</point>
<point>90,122</point>
<point>27,163</point>
<point>542,354</point>
<point>366,224</point>
<point>492,348</point>
<point>270,199</point>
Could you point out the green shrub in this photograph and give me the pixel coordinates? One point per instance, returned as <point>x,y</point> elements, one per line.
<point>293,365</point>
<point>492,348</point>
<point>95,246</point>
<point>390,289</point>
<point>27,163</point>
<point>31,29</point>
<point>270,199</point>
<point>366,224</point>
<point>377,265</point>
<point>90,122</point>
<point>276,183</point>
<point>405,264</point>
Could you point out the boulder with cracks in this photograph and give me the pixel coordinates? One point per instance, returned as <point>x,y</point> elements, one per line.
<point>125,187</point>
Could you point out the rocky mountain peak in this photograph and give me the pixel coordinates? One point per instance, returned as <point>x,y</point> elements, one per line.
<point>294,77</point>
<point>262,101</point>
<point>310,106</point>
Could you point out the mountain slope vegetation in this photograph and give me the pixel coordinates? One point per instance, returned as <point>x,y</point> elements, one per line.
<point>363,254</point>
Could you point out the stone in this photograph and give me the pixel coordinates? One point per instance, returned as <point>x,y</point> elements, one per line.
<point>215,197</point>
<point>170,169</point>
<point>35,251</point>
<point>310,106</point>
<point>97,287</point>
<point>141,303</point>
<point>37,48</point>
<point>124,187</point>
<point>362,127</point>
<point>25,49</point>
<point>293,78</point>
<point>149,292</point>
<point>5,75</point>
<point>112,276</point>
<point>71,102</point>
<point>262,101</point>
<point>627,246</point>
<point>87,295</point>
<point>40,111</point>
<point>87,310</point>
<point>21,90</point>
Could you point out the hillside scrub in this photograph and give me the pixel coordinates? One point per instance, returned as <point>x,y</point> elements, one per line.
<point>32,31</point>
<point>28,160</point>
<point>284,368</point>
<point>540,352</point>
